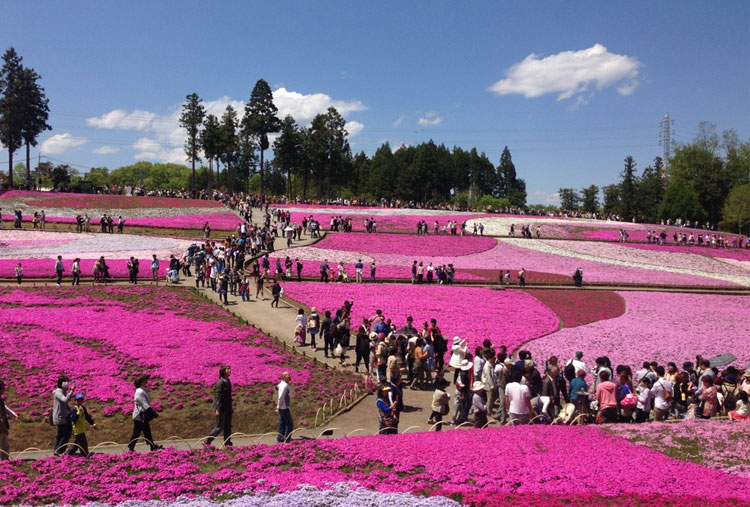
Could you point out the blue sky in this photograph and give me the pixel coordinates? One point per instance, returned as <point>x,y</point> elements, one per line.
<point>570,87</point>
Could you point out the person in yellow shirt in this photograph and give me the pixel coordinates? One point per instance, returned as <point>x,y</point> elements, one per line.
<point>80,418</point>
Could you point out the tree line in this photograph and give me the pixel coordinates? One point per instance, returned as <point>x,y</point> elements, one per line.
<point>24,109</point>
<point>707,182</point>
<point>317,161</point>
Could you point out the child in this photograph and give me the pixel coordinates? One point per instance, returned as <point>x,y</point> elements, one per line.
<point>742,412</point>
<point>80,418</point>
<point>19,273</point>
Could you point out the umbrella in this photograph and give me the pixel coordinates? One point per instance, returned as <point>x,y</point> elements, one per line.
<point>288,229</point>
<point>722,360</point>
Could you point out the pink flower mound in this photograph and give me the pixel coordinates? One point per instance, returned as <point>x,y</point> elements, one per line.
<point>102,341</point>
<point>658,327</point>
<point>506,317</point>
<point>388,223</point>
<point>312,269</point>
<point>720,253</point>
<point>53,199</point>
<point>417,246</point>
<point>588,461</point>
<point>45,268</point>
<point>218,221</point>
<point>722,445</point>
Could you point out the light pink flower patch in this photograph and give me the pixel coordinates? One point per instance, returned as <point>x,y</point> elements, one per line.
<point>658,327</point>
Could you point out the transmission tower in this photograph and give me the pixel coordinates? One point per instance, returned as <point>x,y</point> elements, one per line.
<point>666,132</point>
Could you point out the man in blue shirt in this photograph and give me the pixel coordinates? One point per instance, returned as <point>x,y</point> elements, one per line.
<point>579,394</point>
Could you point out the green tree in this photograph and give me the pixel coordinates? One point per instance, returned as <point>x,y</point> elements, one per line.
<point>508,184</point>
<point>229,142</point>
<point>99,176</point>
<point>737,208</point>
<point>611,199</point>
<point>191,120</point>
<point>681,201</point>
<point>569,199</point>
<point>628,190</point>
<point>210,140</point>
<point>590,199</point>
<point>327,148</point>
<point>383,172</point>
<point>11,106</point>
<point>260,120</point>
<point>650,191</point>
<point>287,150</point>
<point>61,176</point>
<point>35,113</point>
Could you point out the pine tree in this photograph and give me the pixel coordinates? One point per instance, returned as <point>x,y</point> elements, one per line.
<point>260,120</point>
<point>11,106</point>
<point>192,120</point>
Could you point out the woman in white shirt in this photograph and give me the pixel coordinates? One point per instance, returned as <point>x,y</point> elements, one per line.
<point>142,415</point>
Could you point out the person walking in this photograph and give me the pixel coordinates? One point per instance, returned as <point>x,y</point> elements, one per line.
<point>313,326</point>
<point>76,270</point>
<point>5,413</point>
<point>61,412</point>
<point>276,293</point>
<point>143,414</point>
<point>155,269</point>
<point>19,273</point>
<point>283,408</point>
<point>522,277</point>
<point>80,417</point>
<point>59,268</point>
<point>222,407</point>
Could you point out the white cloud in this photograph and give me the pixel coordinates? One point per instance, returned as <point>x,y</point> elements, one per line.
<point>149,149</point>
<point>354,128</point>
<point>305,107</point>
<point>542,197</point>
<point>569,73</point>
<point>106,150</point>
<point>60,143</point>
<point>119,119</point>
<point>165,138</point>
<point>430,119</point>
<point>399,120</point>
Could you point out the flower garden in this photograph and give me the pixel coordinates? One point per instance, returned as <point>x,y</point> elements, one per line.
<point>142,212</point>
<point>104,337</point>
<point>539,465</point>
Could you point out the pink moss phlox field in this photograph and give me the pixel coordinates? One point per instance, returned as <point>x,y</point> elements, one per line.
<point>722,445</point>
<point>719,253</point>
<point>506,317</point>
<point>587,461</point>
<point>385,223</point>
<point>417,246</point>
<point>311,268</point>
<point>97,339</point>
<point>658,327</point>
<point>52,200</point>
<point>684,259</point>
<point>218,221</point>
<point>45,268</point>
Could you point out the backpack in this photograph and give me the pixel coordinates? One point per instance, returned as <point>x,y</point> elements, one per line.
<point>570,371</point>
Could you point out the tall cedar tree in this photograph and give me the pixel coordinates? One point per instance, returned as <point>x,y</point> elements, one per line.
<point>210,140</point>
<point>287,149</point>
<point>192,120</point>
<point>229,142</point>
<point>628,186</point>
<point>260,120</point>
<point>328,148</point>
<point>35,113</point>
<point>11,106</point>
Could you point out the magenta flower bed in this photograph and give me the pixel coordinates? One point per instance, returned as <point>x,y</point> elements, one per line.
<point>65,200</point>
<point>417,246</point>
<point>312,269</point>
<point>45,268</point>
<point>507,318</point>
<point>588,462</point>
<point>388,223</point>
<point>104,339</point>
<point>658,327</point>
<point>218,221</point>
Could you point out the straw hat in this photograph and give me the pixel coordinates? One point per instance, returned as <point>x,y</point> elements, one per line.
<point>465,365</point>
<point>456,340</point>
<point>478,386</point>
<point>747,373</point>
